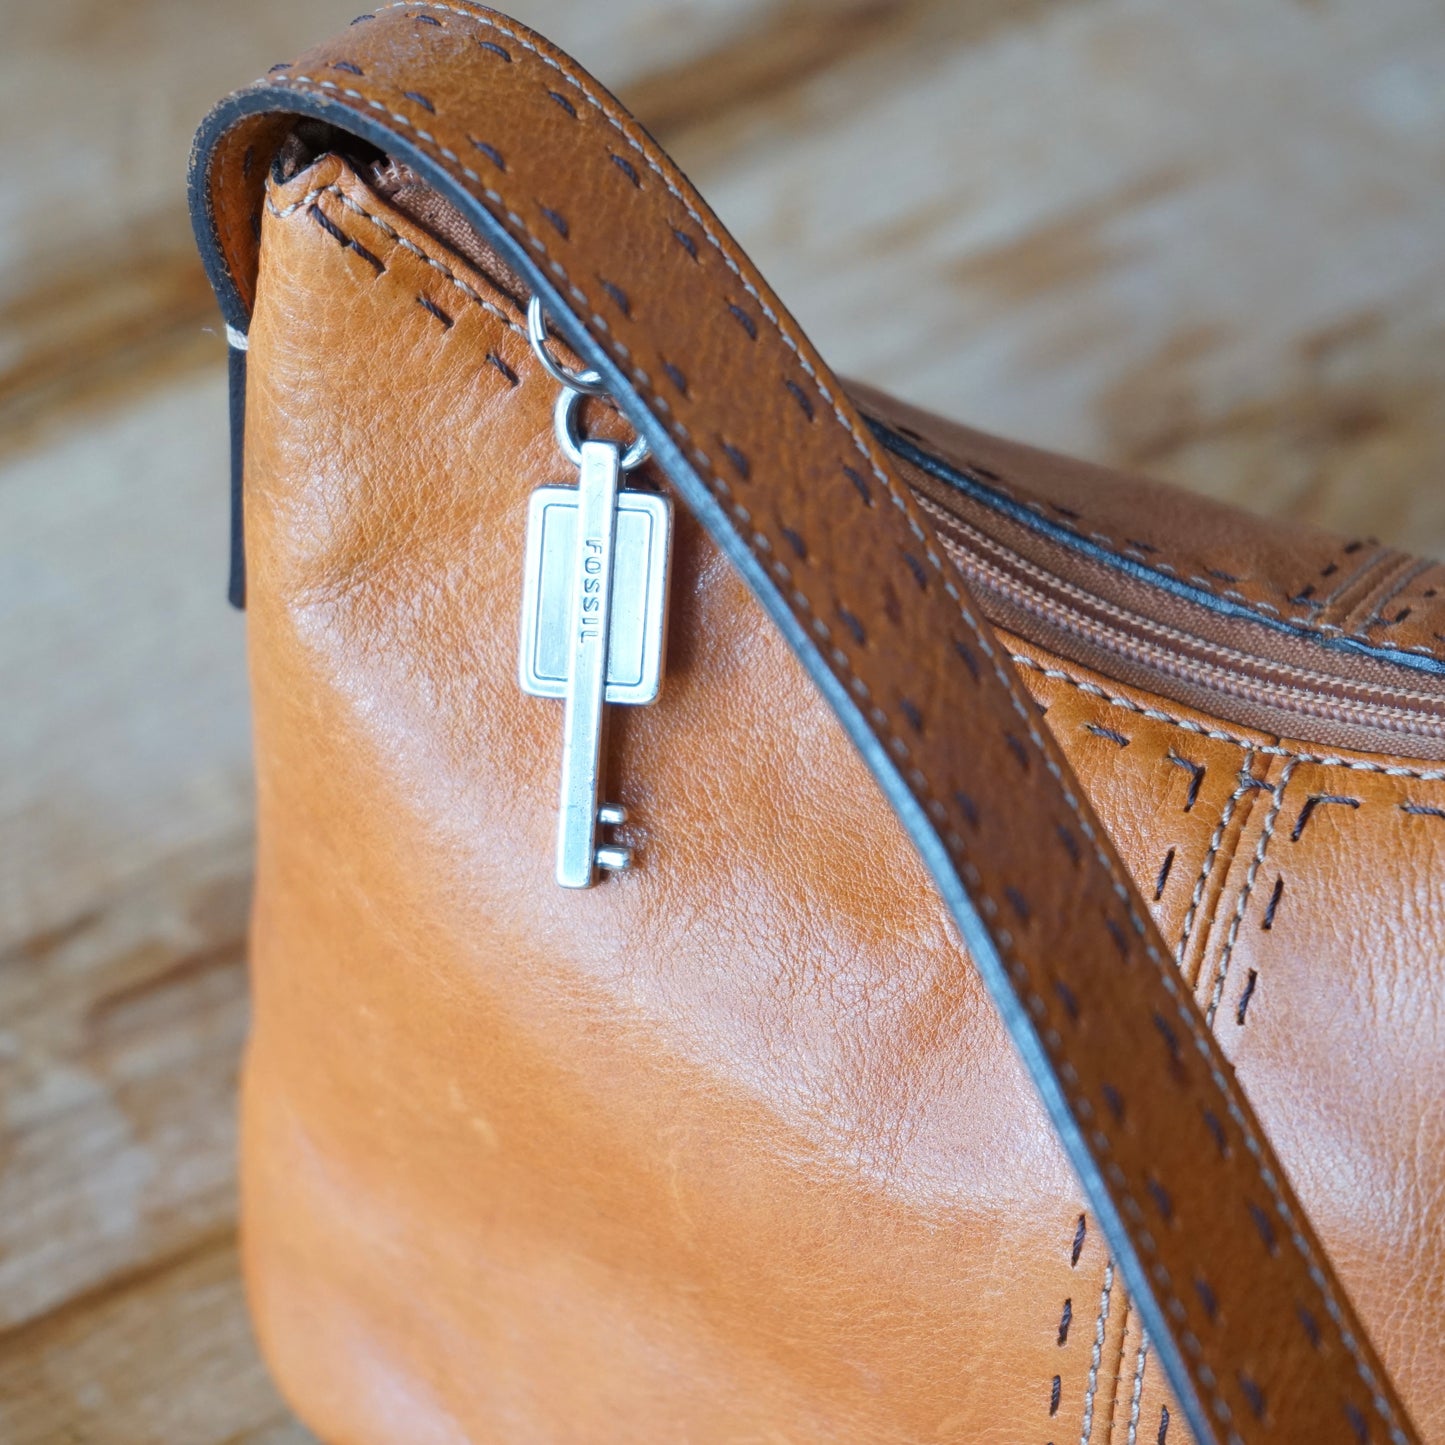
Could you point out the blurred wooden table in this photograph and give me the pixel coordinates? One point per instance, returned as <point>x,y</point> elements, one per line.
<point>1207,240</point>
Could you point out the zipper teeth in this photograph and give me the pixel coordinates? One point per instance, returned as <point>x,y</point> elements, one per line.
<point>1293,689</point>
<point>1128,622</point>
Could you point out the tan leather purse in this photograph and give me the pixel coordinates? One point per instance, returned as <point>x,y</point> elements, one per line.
<point>1018,856</point>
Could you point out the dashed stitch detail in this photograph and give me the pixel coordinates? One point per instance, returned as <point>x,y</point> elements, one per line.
<point>1255,863</point>
<point>1326,760</point>
<point>1245,788</point>
<point>281,212</point>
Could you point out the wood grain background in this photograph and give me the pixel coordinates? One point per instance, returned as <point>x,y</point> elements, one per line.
<point>1207,240</point>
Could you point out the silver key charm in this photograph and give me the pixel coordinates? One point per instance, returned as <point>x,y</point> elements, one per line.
<point>594,626</point>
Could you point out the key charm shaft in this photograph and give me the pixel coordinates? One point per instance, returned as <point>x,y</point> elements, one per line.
<point>597,487</point>
<point>594,619</point>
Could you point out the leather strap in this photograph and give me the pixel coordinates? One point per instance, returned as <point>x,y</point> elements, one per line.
<point>1252,1326</point>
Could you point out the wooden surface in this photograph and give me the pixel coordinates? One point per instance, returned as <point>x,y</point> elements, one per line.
<point>1205,239</point>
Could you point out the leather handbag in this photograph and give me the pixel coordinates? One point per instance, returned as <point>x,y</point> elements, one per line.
<point>994,994</point>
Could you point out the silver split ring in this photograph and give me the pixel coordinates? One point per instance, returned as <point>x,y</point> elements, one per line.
<point>589,383</point>
<point>570,439</point>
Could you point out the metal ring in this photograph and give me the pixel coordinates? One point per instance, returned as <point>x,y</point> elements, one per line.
<point>590,383</point>
<point>570,440</point>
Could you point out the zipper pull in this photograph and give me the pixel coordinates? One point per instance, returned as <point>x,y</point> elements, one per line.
<point>594,613</point>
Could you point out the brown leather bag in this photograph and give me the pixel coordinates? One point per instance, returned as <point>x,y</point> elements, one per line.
<point>1003,821</point>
